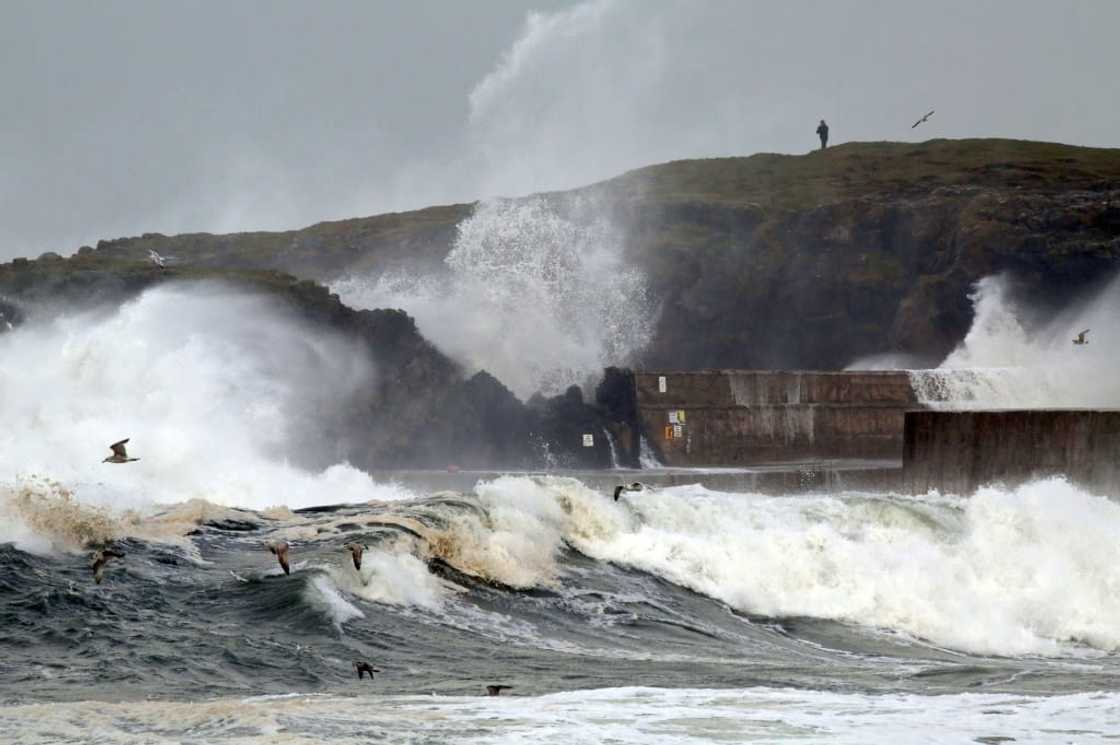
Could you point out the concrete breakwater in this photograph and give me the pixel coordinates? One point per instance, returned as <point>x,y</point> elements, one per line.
<point>960,451</point>
<point>746,417</point>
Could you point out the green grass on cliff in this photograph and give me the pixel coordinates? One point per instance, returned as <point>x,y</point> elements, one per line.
<point>860,168</point>
<point>758,183</point>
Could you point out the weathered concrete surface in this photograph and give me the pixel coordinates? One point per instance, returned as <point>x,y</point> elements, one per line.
<point>744,417</point>
<point>959,451</point>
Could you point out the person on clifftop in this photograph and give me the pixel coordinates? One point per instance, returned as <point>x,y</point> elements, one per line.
<point>822,131</point>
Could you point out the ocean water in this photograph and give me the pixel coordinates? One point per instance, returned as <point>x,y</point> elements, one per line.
<point>674,615</point>
<point>678,614</point>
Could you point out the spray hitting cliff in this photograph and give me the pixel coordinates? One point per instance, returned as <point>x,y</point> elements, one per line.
<point>768,261</point>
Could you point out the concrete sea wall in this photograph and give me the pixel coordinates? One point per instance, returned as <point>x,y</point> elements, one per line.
<point>746,417</point>
<point>959,451</point>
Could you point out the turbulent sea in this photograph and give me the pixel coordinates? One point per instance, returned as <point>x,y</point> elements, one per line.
<point>675,615</point>
<point>679,614</point>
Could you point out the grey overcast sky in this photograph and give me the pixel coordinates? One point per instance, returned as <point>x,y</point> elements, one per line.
<point>126,116</point>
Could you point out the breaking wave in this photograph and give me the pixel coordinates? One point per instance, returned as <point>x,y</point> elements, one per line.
<point>1006,572</point>
<point>220,391</point>
<point>536,294</point>
<point>1010,359</point>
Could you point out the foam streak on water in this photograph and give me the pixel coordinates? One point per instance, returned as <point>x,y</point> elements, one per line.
<point>647,715</point>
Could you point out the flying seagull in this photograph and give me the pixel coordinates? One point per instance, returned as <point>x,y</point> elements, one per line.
<point>636,486</point>
<point>120,455</point>
<point>1081,338</point>
<point>156,259</point>
<point>98,561</point>
<point>496,690</point>
<point>364,667</point>
<point>924,118</point>
<point>355,554</point>
<point>280,551</point>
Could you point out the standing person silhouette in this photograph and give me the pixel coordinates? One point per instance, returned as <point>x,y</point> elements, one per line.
<point>822,130</point>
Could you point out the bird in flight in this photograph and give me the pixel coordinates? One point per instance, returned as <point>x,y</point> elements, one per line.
<point>120,455</point>
<point>156,259</point>
<point>99,560</point>
<point>355,554</point>
<point>280,551</point>
<point>1081,338</point>
<point>924,118</point>
<point>636,486</point>
<point>363,668</point>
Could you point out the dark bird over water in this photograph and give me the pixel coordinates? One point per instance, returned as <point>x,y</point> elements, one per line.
<point>98,561</point>
<point>924,118</point>
<point>1081,338</point>
<point>355,550</point>
<point>364,667</point>
<point>280,551</point>
<point>120,455</point>
<point>636,486</point>
<point>496,690</point>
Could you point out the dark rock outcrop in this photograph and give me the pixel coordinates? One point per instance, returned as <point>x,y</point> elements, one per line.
<point>564,420</point>
<point>615,398</point>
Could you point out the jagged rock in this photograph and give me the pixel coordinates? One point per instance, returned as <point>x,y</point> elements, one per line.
<point>564,420</point>
<point>615,398</point>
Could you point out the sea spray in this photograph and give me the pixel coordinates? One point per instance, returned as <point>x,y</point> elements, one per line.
<point>1028,571</point>
<point>1008,361</point>
<point>221,392</point>
<point>323,595</point>
<point>647,458</point>
<point>536,292</point>
<point>393,576</point>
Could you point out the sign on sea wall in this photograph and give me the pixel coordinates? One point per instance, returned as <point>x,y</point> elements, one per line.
<point>746,417</point>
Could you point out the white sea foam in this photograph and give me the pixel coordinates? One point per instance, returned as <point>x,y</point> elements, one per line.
<point>323,594</point>
<point>1010,359</point>
<point>648,715</point>
<point>395,577</point>
<point>215,388</point>
<point>1029,571</point>
<point>538,296</point>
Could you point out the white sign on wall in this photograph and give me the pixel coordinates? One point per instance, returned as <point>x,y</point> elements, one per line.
<point>589,441</point>
<point>673,418</point>
<point>662,384</point>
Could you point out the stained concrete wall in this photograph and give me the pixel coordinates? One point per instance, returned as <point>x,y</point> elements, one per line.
<point>747,417</point>
<point>959,451</point>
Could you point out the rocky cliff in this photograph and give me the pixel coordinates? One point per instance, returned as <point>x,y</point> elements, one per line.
<point>811,261</point>
<point>777,261</point>
<point>769,261</point>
